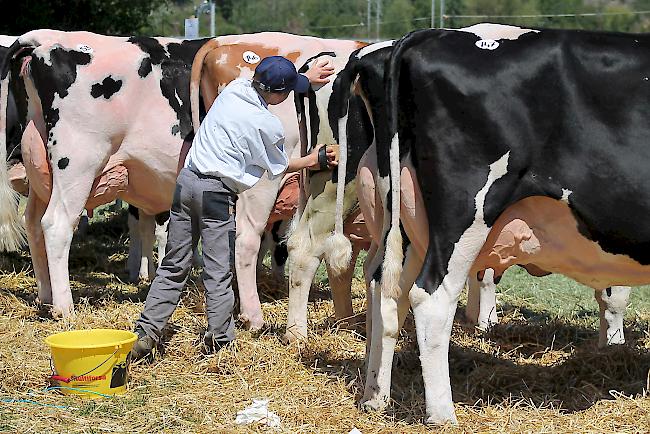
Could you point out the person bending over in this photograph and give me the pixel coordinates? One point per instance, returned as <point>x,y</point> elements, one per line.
<point>238,142</point>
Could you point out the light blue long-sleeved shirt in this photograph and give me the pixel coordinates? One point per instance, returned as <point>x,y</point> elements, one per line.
<point>239,139</point>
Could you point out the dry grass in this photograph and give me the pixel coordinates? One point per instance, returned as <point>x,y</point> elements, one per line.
<point>522,377</point>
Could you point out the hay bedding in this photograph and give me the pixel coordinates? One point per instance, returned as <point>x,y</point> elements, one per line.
<point>521,377</point>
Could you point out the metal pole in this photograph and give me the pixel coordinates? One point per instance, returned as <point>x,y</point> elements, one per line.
<point>442,13</point>
<point>433,14</point>
<point>378,17</point>
<point>369,11</point>
<point>212,18</point>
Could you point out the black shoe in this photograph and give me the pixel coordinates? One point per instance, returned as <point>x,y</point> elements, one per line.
<point>212,346</point>
<point>143,347</point>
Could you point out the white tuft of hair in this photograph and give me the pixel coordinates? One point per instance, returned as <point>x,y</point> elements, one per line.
<point>12,232</point>
<point>338,253</point>
<point>392,266</point>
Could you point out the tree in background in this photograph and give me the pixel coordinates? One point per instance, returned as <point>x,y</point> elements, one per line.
<point>333,19</point>
<point>398,19</point>
<point>112,17</point>
<point>500,8</point>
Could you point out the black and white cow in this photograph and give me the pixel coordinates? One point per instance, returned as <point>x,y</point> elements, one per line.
<point>547,131</point>
<point>110,117</point>
<point>366,70</point>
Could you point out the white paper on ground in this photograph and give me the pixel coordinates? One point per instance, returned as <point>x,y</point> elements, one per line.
<point>258,411</point>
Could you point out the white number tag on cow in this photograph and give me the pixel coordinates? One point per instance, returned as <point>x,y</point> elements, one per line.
<point>84,48</point>
<point>250,57</point>
<point>487,44</point>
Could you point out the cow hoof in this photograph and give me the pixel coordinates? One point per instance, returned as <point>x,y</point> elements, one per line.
<point>444,416</point>
<point>251,324</point>
<point>62,312</point>
<point>292,336</point>
<point>485,326</point>
<point>375,404</point>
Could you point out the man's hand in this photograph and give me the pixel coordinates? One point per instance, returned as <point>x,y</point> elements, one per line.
<point>331,154</point>
<point>310,161</point>
<point>319,72</point>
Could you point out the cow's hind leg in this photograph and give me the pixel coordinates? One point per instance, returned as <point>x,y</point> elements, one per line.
<point>612,302</point>
<point>33,215</point>
<point>388,315</point>
<point>302,268</point>
<point>253,209</point>
<point>341,286</point>
<point>72,180</point>
<point>369,267</point>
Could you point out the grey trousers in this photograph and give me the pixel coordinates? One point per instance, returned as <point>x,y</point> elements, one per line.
<point>202,207</point>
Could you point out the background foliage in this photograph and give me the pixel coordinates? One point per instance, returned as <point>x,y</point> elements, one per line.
<point>333,18</point>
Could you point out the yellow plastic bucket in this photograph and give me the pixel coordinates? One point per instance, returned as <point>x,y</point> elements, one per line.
<point>91,362</point>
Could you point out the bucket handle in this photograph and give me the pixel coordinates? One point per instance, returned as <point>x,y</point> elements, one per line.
<point>56,377</point>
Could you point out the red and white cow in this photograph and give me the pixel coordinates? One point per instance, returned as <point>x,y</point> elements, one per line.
<point>111,116</point>
<point>216,64</point>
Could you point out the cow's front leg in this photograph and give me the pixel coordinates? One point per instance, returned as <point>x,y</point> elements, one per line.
<point>388,315</point>
<point>135,246</point>
<point>481,300</point>
<point>33,215</point>
<point>612,302</point>
<point>146,228</point>
<point>162,221</point>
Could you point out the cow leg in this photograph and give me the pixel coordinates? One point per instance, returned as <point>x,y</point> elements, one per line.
<point>146,228</point>
<point>481,300</point>
<point>612,302</point>
<point>302,269</point>
<point>82,227</point>
<point>279,251</point>
<point>33,215</point>
<point>135,249</point>
<point>246,252</point>
<point>370,284</point>
<point>253,209</point>
<point>388,315</point>
<point>265,247</point>
<point>161,238</point>
<point>71,184</point>
<point>278,260</point>
<point>341,286</point>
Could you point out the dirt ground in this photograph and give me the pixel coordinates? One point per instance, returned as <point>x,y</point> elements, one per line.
<point>537,371</point>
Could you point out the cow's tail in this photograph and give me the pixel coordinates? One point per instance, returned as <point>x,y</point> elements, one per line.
<point>12,232</point>
<point>394,253</point>
<point>195,79</point>
<point>338,249</point>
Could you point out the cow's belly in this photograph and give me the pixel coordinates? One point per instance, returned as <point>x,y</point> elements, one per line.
<point>150,187</point>
<point>542,231</point>
<point>152,171</point>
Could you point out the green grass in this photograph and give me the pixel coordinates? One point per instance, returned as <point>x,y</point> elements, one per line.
<point>540,298</point>
<point>561,297</point>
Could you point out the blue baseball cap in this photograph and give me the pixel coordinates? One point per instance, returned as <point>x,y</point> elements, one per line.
<point>278,74</point>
